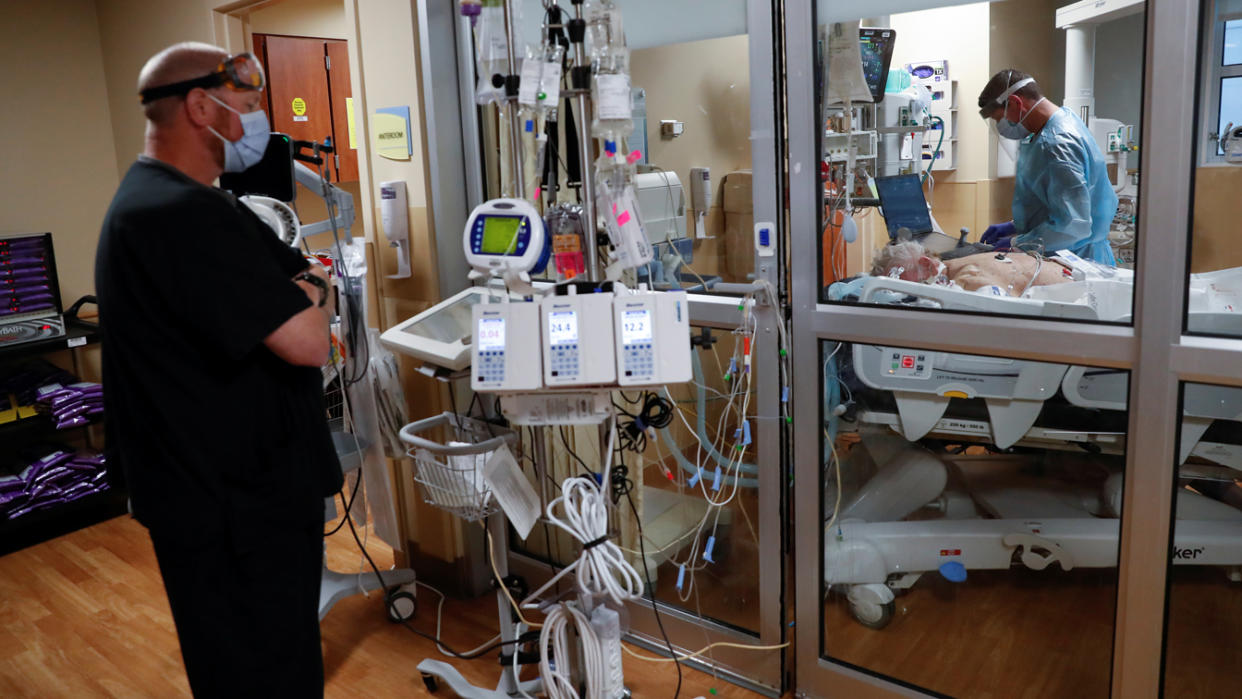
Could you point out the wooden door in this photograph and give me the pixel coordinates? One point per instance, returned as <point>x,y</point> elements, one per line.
<point>305,98</point>
<point>338,90</point>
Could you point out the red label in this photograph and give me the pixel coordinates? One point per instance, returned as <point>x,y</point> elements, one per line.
<point>950,552</point>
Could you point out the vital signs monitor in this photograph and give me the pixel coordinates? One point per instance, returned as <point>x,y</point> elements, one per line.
<point>505,236</point>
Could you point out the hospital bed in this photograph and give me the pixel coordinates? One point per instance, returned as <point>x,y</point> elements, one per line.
<point>990,512</point>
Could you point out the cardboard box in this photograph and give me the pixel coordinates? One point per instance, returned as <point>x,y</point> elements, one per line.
<point>737,200</point>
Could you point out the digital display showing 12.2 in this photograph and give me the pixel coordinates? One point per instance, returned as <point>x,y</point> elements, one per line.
<point>635,326</point>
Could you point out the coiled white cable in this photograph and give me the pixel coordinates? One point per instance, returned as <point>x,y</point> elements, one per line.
<point>556,681</point>
<point>602,568</point>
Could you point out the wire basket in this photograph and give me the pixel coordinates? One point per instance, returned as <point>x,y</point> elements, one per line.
<point>451,472</point>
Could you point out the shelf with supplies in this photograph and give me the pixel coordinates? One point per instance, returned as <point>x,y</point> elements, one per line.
<point>53,476</point>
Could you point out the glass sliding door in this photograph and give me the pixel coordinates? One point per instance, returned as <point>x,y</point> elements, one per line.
<point>987,341</point>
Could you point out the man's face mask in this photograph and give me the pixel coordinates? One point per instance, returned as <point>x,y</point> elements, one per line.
<point>248,150</point>
<point>1013,130</point>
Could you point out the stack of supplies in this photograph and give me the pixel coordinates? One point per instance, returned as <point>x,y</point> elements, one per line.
<point>72,405</point>
<point>41,387</point>
<point>57,478</point>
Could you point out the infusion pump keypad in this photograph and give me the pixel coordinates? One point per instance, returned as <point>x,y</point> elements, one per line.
<point>565,360</point>
<point>639,360</point>
<point>492,366</point>
<point>907,364</point>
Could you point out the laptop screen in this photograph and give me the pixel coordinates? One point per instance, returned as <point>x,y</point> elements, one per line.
<point>903,205</point>
<point>28,284</point>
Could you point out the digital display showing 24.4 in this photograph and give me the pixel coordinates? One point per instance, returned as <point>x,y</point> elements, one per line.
<point>562,327</point>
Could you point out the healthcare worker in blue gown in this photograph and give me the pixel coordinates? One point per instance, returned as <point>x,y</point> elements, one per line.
<point>1062,198</point>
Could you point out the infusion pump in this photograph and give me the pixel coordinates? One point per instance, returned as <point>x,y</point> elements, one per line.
<point>590,340</point>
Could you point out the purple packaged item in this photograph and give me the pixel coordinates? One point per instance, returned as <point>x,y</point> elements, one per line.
<point>73,422</point>
<point>52,460</point>
<point>70,411</point>
<point>87,387</point>
<point>45,394</point>
<point>12,484</point>
<point>81,467</point>
<point>90,457</point>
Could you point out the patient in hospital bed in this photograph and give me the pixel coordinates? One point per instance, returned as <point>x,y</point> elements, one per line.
<point>1012,271</point>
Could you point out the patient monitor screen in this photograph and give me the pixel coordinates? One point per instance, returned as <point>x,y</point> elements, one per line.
<point>562,327</point>
<point>491,334</point>
<point>500,235</point>
<point>903,204</point>
<point>636,327</point>
<point>876,47</point>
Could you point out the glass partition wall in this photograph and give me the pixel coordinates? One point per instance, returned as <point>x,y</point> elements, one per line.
<point>707,486</point>
<point>991,437</point>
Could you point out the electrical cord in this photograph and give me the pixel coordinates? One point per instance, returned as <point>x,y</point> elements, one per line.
<point>395,614</point>
<point>554,637</point>
<point>701,651</point>
<point>601,568</point>
<point>654,608</point>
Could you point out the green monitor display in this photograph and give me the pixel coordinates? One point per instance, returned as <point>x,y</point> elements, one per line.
<point>500,235</point>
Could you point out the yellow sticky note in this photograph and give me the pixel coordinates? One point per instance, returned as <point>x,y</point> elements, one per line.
<point>299,106</point>
<point>349,118</point>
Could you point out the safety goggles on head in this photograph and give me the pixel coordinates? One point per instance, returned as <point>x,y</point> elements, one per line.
<point>987,110</point>
<point>239,72</point>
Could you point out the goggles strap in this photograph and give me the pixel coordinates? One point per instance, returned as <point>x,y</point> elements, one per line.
<point>180,88</point>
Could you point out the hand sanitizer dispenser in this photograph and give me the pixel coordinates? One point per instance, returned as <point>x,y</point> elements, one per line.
<point>394,215</point>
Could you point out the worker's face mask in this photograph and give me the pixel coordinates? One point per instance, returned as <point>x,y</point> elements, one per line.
<point>248,150</point>
<point>1014,130</point>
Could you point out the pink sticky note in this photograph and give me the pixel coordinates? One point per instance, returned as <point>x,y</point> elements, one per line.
<point>614,209</point>
<point>634,156</point>
<point>624,218</point>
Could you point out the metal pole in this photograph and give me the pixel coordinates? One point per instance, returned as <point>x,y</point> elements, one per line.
<point>582,101</point>
<point>515,131</point>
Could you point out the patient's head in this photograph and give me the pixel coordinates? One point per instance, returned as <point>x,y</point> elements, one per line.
<point>915,263</point>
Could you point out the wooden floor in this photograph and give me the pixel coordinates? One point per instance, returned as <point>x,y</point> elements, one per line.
<point>86,616</point>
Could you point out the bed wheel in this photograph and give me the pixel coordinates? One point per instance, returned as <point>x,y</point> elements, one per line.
<point>430,682</point>
<point>871,605</point>
<point>871,614</point>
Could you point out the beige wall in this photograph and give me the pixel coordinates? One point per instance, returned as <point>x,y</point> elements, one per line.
<point>56,133</point>
<point>959,35</point>
<point>322,19</point>
<point>131,31</point>
<point>706,85</point>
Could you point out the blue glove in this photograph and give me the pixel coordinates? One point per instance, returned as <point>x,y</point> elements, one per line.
<point>1002,244</point>
<point>996,231</point>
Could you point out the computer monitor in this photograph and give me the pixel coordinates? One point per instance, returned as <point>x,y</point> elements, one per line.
<point>903,204</point>
<point>876,45</point>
